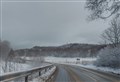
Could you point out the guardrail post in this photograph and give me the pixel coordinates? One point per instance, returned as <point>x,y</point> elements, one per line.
<point>45,69</point>
<point>26,79</point>
<point>50,67</point>
<point>40,73</point>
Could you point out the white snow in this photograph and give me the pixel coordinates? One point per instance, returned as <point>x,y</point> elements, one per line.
<point>17,67</point>
<point>69,60</point>
<point>28,66</point>
<point>45,76</point>
<point>25,70</point>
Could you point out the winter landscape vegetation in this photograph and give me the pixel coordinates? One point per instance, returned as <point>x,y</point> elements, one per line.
<point>102,58</point>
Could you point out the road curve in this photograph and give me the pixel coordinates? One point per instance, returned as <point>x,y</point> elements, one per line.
<point>67,73</point>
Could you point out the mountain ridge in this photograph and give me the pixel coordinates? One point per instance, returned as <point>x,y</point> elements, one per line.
<point>67,50</point>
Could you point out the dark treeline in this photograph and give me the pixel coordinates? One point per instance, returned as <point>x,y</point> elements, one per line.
<point>68,50</point>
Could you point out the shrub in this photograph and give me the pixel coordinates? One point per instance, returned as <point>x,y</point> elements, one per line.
<point>109,57</point>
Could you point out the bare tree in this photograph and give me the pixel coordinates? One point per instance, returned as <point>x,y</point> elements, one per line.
<point>103,8</point>
<point>4,49</point>
<point>112,34</point>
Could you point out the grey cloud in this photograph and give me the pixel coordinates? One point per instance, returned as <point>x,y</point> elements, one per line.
<point>29,24</point>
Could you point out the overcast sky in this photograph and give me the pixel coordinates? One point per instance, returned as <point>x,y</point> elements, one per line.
<point>26,24</point>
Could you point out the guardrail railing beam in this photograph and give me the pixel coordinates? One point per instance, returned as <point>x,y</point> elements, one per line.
<point>23,74</point>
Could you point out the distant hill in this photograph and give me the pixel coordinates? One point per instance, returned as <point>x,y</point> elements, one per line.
<point>67,50</point>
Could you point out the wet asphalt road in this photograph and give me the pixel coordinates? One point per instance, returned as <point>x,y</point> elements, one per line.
<point>67,73</point>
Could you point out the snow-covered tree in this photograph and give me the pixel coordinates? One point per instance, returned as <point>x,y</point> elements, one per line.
<point>4,49</point>
<point>112,34</point>
<point>7,57</point>
<point>109,57</point>
<point>103,8</point>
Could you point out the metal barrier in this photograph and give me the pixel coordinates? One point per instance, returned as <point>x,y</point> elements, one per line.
<point>23,74</point>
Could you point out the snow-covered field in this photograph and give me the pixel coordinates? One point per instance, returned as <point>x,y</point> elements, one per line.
<point>84,62</point>
<point>70,60</point>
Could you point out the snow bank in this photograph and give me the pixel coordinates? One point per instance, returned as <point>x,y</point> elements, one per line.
<point>44,76</point>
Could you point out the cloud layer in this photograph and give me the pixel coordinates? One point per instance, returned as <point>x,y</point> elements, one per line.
<point>48,23</point>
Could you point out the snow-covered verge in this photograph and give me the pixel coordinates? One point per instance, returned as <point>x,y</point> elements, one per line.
<point>45,76</point>
<point>17,67</point>
<point>28,66</point>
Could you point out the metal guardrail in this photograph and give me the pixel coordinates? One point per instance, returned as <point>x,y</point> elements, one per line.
<point>23,74</point>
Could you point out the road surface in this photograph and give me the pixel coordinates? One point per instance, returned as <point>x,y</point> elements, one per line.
<point>67,73</point>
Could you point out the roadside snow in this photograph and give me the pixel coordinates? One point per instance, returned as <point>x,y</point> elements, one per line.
<point>45,76</point>
<point>106,69</point>
<point>17,67</point>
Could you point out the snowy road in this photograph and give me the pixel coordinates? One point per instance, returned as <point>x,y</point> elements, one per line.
<point>67,73</point>
<point>62,75</point>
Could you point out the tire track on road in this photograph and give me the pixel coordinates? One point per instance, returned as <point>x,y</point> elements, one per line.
<point>83,77</point>
<point>94,74</point>
<point>62,75</point>
<point>68,73</point>
<point>73,76</point>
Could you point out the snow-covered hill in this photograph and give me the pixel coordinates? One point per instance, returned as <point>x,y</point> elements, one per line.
<point>68,50</point>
